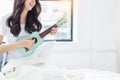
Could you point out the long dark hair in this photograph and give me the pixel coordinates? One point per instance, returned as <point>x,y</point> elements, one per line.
<point>32,22</point>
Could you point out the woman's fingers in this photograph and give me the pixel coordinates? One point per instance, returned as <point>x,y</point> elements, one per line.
<point>53,31</point>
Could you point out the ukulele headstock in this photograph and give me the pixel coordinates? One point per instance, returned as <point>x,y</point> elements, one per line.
<point>62,20</point>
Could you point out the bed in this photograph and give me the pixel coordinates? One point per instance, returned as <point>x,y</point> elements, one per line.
<point>33,68</point>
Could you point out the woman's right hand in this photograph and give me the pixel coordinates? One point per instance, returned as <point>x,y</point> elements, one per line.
<point>27,43</point>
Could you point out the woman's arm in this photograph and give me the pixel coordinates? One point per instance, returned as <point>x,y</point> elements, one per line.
<point>24,43</point>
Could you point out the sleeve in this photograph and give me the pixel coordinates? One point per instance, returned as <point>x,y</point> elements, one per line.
<point>3,29</point>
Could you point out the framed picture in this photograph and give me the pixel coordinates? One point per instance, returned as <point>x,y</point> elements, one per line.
<point>52,11</point>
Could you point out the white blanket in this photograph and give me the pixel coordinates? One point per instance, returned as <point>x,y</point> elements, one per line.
<point>33,68</point>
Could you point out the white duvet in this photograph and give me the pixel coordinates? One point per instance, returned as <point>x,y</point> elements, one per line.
<point>32,68</point>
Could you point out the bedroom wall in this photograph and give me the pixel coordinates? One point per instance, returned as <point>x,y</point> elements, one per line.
<point>118,32</point>
<point>96,34</point>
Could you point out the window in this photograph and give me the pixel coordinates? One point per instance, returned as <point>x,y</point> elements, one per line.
<point>53,10</point>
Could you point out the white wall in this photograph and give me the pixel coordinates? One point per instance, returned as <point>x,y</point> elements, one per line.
<point>118,32</point>
<point>6,7</point>
<point>96,46</point>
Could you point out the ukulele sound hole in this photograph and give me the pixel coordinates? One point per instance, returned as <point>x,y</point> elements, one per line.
<point>26,49</point>
<point>34,38</point>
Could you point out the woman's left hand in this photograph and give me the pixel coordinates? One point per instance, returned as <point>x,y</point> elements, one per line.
<point>53,31</point>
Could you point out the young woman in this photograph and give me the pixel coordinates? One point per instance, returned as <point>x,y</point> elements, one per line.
<point>22,21</point>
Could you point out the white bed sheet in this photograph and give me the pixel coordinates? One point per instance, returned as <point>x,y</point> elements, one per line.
<point>93,74</point>
<point>33,68</point>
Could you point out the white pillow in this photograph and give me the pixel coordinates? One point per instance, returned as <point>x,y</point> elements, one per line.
<point>44,50</point>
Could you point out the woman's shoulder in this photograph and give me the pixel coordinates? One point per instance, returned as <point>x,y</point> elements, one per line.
<point>3,21</point>
<point>3,28</point>
<point>4,18</point>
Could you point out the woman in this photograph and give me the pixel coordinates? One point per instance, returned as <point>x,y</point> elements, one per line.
<point>22,21</point>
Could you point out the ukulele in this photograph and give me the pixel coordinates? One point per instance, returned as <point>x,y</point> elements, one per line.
<point>38,37</point>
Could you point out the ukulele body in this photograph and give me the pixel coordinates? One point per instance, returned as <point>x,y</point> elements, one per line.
<point>27,52</point>
<point>39,37</point>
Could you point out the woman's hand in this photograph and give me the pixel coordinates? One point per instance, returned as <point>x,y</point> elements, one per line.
<point>53,31</point>
<point>27,43</point>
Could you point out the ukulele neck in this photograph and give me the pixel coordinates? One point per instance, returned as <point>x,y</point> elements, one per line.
<point>43,34</point>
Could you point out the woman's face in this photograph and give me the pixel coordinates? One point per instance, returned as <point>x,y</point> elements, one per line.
<point>29,4</point>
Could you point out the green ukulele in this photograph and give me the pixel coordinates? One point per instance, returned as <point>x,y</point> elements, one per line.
<point>38,37</point>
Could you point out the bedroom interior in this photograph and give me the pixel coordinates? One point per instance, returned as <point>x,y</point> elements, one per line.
<point>94,51</point>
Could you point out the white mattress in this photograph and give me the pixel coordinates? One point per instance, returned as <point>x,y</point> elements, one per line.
<point>32,68</point>
<point>93,74</point>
